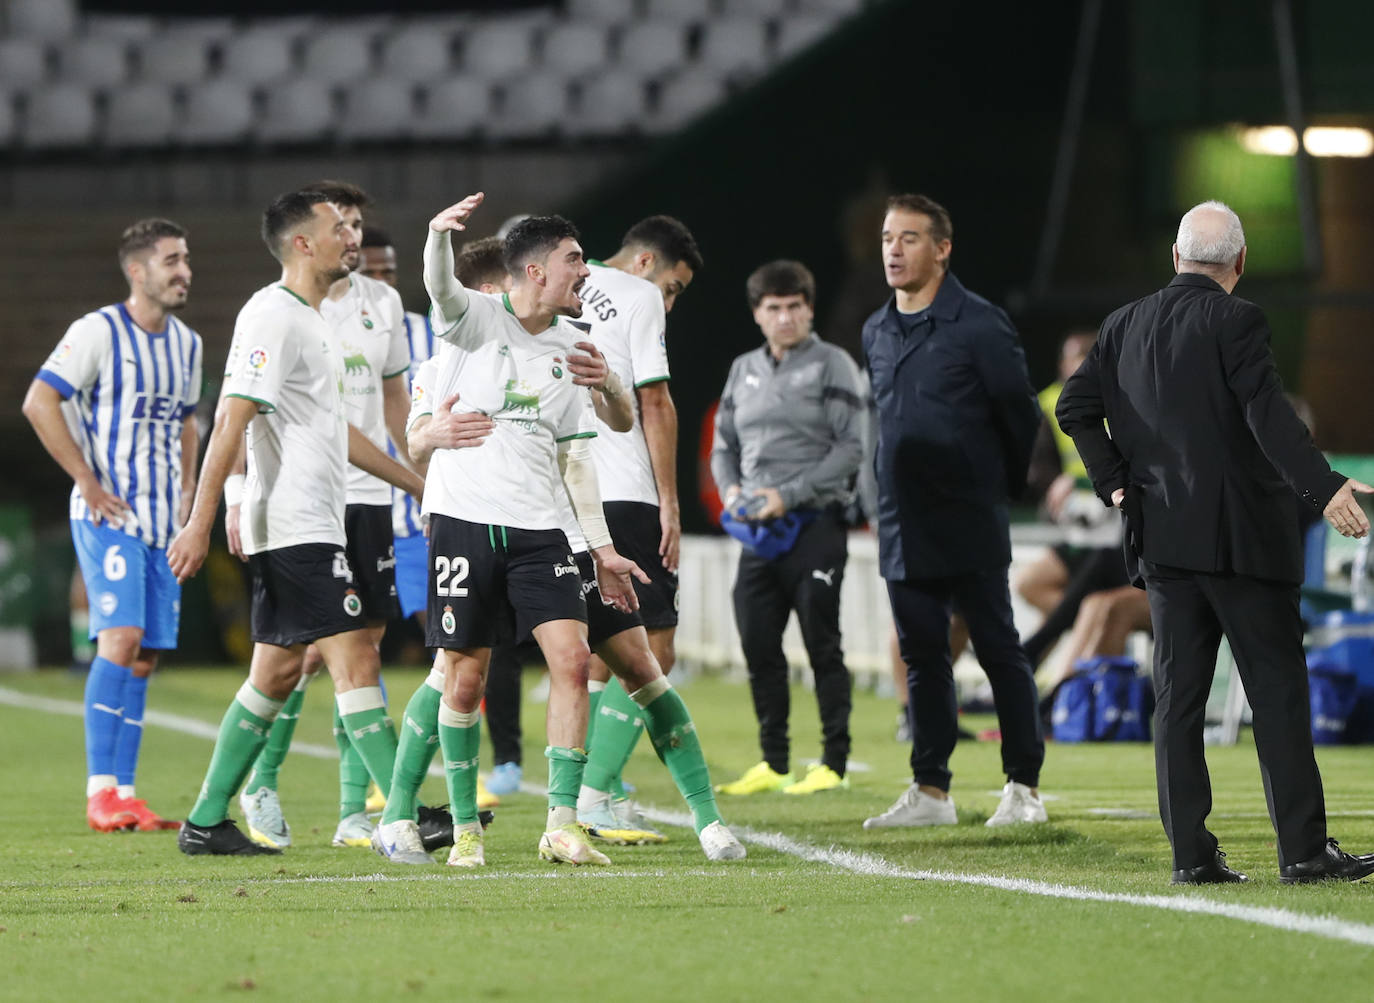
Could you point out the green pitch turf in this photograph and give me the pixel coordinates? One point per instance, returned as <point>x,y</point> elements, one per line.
<point>820,909</point>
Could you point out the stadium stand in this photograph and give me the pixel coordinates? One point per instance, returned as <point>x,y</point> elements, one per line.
<point>417,53</point>
<point>454,108</point>
<point>217,111</point>
<point>41,19</point>
<point>339,55</point>
<point>59,116</point>
<point>93,60</point>
<point>377,109</point>
<point>23,62</point>
<point>572,48</point>
<point>173,59</point>
<point>300,110</point>
<point>139,115</point>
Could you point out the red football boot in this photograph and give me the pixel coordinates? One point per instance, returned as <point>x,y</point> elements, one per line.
<point>147,819</point>
<point>107,812</point>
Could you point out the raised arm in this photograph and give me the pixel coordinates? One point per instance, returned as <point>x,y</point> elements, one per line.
<point>447,294</point>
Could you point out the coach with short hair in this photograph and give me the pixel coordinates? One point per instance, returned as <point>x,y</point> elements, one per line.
<point>957,418</point>
<point>1204,456</point>
<point>788,444</point>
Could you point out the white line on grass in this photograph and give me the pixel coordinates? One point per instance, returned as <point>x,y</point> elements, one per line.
<point>1332,927</point>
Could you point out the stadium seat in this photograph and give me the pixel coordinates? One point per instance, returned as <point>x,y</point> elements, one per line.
<point>678,11</point>
<point>418,53</point>
<point>62,115</point>
<point>684,98</point>
<point>603,11</point>
<point>129,27</point>
<point>173,59</point>
<point>8,120</point>
<point>258,56</point>
<point>23,62</point>
<point>46,19</point>
<point>453,109</point>
<point>211,30</point>
<point>573,49</point>
<point>498,50</point>
<point>731,47</point>
<point>535,105</point>
<point>296,111</point>
<point>217,111</point>
<point>139,115</point>
<point>609,104</point>
<point>798,33</point>
<point>98,62</point>
<point>762,10</point>
<point>377,108</point>
<point>832,8</point>
<point>338,56</point>
<point>654,48</point>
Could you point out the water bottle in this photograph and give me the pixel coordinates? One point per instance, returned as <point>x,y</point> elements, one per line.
<point>1359,578</point>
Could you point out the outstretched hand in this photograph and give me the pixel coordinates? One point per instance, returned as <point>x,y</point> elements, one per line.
<point>455,217</point>
<point>614,579</point>
<point>1343,511</point>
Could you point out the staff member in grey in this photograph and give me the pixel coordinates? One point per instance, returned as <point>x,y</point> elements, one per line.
<point>788,443</point>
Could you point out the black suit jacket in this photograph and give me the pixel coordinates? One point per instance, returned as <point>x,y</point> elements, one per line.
<point>1202,437</point>
<point>957,417</point>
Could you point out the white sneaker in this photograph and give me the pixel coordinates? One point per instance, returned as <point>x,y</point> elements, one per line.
<point>356,830</point>
<point>262,812</point>
<point>1018,804</point>
<point>568,844</point>
<point>467,847</point>
<point>915,807</point>
<point>399,842</point>
<point>719,843</point>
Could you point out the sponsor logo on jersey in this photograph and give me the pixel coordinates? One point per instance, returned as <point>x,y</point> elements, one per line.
<point>522,405</point>
<point>417,394</point>
<point>63,350</point>
<point>448,621</point>
<point>258,359</point>
<point>153,408</point>
<point>559,570</point>
<point>352,605</point>
<point>355,361</point>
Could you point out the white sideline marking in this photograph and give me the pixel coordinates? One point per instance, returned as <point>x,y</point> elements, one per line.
<point>1331,927</point>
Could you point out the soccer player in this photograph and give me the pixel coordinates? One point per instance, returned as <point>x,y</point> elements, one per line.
<point>114,405</point>
<point>367,320</point>
<point>617,637</point>
<point>627,299</point>
<point>284,390</point>
<point>498,556</point>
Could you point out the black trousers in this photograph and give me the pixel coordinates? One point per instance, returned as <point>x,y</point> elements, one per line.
<point>921,609</point>
<point>503,700</point>
<point>806,579</point>
<point>1190,611</point>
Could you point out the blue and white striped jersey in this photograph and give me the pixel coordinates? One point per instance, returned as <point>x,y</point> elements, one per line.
<point>405,510</point>
<point>129,392</point>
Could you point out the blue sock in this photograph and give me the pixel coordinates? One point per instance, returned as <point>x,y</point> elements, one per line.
<point>131,731</point>
<point>104,714</point>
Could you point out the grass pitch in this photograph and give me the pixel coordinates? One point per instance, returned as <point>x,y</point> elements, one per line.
<point>820,910</point>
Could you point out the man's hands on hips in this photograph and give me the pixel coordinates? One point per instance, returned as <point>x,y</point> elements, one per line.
<point>1343,511</point>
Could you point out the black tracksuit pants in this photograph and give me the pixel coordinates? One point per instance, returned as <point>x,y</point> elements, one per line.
<point>806,579</point>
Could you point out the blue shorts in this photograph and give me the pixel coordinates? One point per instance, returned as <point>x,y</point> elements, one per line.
<point>128,584</point>
<point>412,573</point>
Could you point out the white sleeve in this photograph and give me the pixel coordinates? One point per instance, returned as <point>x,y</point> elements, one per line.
<point>579,478</point>
<point>578,420</point>
<point>422,393</point>
<point>76,362</point>
<point>260,360</point>
<point>448,299</point>
<point>648,323</point>
<point>398,347</point>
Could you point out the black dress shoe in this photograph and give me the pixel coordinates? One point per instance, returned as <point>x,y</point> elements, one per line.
<point>1214,872</point>
<point>1332,864</point>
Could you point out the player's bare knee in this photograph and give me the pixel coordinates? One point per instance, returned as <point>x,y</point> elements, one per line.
<point>145,663</point>
<point>120,645</point>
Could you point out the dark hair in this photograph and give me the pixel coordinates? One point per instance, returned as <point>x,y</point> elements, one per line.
<point>941,227</point>
<point>781,278</point>
<point>481,261</point>
<point>534,237</point>
<point>343,193</point>
<point>668,238</point>
<point>285,213</point>
<point>144,235</point>
<point>376,237</point>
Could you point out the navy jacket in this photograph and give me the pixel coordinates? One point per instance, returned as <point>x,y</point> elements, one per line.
<point>1204,441</point>
<point>957,418</point>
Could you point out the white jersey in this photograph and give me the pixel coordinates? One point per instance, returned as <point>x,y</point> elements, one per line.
<point>369,333</point>
<point>283,358</point>
<point>522,381</point>
<point>128,393</point>
<point>422,405</point>
<point>628,325</point>
<point>405,510</point>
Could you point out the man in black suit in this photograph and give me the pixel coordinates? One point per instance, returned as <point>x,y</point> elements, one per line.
<point>957,418</point>
<point>1204,456</point>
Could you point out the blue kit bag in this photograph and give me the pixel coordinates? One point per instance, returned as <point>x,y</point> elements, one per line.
<point>770,538</point>
<point>1334,690</point>
<point>1105,700</point>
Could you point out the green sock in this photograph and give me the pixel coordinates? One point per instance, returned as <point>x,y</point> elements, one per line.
<point>371,732</point>
<point>460,736</point>
<point>269,760</point>
<point>565,775</point>
<point>619,723</point>
<point>419,738</point>
<point>593,702</point>
<point>352,772</point>
<point>242,733</point>
<point>670,728</point>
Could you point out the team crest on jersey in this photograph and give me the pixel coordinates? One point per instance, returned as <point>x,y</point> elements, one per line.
<point>108,603</point>
<point>352,605</point>
<point>448,621</point>
<point>367,321</point>
<point>557,370</point>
